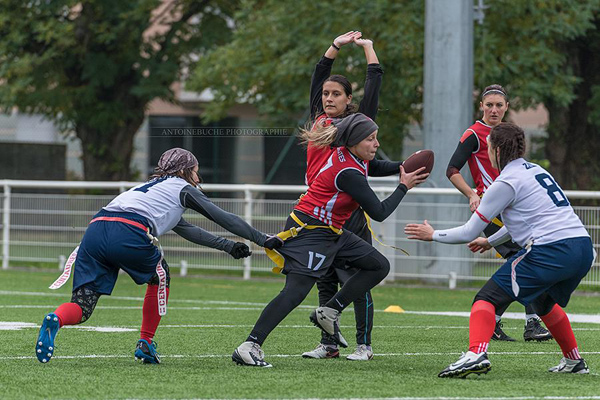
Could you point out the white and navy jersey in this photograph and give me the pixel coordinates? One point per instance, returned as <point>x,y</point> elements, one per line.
<point>163,201</point>
<point>157,200</point>
<point>532,206</point>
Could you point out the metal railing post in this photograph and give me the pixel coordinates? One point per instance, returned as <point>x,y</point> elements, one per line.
<point>6,227</point>
<point>248,218</point>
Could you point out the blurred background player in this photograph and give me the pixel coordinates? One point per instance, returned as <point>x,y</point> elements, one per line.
<point>331,97</point>
<point>556,252</point>
<point>333,195</point>
<point>472,148</point>
<point>123,235</point>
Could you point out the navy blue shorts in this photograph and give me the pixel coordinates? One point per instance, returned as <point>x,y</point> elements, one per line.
<point>556,268</point>
<point>108,246</point>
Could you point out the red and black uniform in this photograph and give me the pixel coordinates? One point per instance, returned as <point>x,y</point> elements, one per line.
<point>473,149</point>
<point>357,223</point>
<point>334,194</point>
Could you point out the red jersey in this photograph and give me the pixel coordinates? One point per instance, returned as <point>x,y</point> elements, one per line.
<point>479,163</point>
<point>317,157</point>
<point>323,200</point>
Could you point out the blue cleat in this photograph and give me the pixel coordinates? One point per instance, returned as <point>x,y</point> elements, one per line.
<point>146,352</point>
<point>44,347</point>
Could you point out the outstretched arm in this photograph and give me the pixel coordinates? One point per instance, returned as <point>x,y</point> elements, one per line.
<point>193,198</point>
<point>355,184</point>
<point>497,198</point>
<point>197,235</point>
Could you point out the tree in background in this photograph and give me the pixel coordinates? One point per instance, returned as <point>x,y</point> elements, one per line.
<point>276,45</point>
<point>544,51</point>
<point>93,66</point>
<point>548,52</point>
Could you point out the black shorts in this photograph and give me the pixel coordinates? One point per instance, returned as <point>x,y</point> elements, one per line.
<point>313,251</point>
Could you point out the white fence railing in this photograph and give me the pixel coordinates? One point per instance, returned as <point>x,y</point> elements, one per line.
<point>43,227</point>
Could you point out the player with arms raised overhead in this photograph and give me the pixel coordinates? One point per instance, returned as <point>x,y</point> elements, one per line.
<point>123,236</point>
<point>557,252</point>
<point>473,149</point>
<point>331,97</point>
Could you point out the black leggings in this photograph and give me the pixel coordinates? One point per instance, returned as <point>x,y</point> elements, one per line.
<point>374,267</point>
<point>492,293</point>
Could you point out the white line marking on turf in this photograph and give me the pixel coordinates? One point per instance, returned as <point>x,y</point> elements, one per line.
<point>584,318</point>
<point>438,398</point>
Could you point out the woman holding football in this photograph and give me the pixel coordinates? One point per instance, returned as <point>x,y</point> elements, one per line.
<point>315,238</point>
<point>331,97</point>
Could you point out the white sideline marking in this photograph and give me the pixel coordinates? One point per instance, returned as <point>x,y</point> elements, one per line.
<point>584,318</point>
<point>441,398</point>
<point>188,356</point>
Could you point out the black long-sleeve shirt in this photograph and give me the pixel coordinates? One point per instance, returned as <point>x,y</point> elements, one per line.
<point>370,101</point>
<point>355,184</point>
<point>463,152</point>
<point>190,197</point>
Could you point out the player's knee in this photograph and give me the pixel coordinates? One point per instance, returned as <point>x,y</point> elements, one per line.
<point>155,280</point>
<point>86,299</point>
<point>543,304</point>
<point>492,293</point>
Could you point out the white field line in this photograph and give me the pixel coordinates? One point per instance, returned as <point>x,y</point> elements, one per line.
<point>17,325</point>
<point>437,398</point>
<point>584,318</point>
<point>191,356</point>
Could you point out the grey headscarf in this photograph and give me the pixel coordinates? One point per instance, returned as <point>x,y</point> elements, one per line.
<point>353,129</point>
<point>174,160</point>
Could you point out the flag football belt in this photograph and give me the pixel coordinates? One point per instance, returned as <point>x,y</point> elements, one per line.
<point>379,241</point>
<point>160,271</point>
<point>276,257</point>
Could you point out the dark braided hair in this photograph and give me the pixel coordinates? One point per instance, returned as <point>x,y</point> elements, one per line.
<point>347,86</point>
<point>510,139</point>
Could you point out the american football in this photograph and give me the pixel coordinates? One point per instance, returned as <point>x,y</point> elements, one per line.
<point>421,158</point>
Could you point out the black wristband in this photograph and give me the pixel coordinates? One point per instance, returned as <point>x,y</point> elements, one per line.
<point>335,47</point>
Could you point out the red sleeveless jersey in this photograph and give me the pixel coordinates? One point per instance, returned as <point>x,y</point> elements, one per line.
<point>479,163</point>
<point>317,157</point>
<point>324,200</point>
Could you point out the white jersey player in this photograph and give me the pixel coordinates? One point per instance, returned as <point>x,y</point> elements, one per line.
<point>557,251</point>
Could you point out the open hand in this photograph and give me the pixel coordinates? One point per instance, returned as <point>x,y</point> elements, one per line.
<point>474,202</point>
<point>411,179</point>
<point>346,38</point>
<point>422,231</point>
<point>363,42</point>
<point>480,244</point>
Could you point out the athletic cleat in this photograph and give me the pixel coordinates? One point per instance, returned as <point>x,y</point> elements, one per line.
<point>500,335</point>
<point>328,320</point>
<point>250,354</point>
<point>322,351</point>
<point>535,331</point>
<point>146,352</point>
<point>468,363</point>
<point>362,353</point>
<point>44,348</point>
<point>568,366</point>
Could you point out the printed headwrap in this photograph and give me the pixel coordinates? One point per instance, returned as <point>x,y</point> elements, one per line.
<point>174,160</point>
